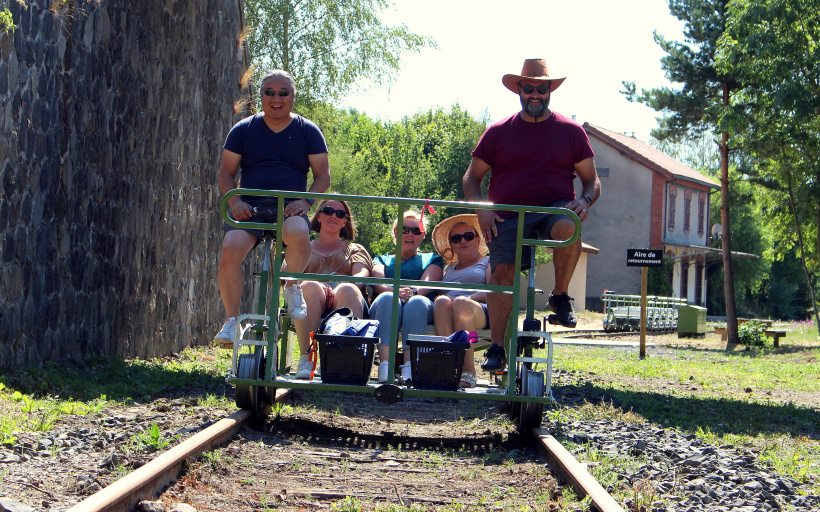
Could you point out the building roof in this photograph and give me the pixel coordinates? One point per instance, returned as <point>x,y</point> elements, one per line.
<point>648,156</point>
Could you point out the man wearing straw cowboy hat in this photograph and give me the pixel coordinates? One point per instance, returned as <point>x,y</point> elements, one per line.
<point>534,156</point>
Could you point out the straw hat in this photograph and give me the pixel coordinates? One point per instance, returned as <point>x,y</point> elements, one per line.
<point>534,69</point>
<point>441,235</point>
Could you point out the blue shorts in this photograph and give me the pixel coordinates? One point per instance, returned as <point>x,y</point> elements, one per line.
<point>536,225</point>
<point>266,214</point>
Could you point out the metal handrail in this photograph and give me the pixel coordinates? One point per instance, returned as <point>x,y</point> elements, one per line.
<point>397,281</point>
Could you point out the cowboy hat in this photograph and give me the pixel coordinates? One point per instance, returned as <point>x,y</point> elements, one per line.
<point>534,69</point>
<point>441,235</point>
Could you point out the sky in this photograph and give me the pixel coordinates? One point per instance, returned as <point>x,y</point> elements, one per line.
<point>596,44</point>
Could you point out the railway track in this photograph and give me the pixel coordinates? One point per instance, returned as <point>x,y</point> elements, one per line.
<point>150,480</point>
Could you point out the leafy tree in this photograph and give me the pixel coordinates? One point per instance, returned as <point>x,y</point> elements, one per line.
<point>328,45</point>
<point>774,48</point>
<point>697,107</point>
<point>422,156</point>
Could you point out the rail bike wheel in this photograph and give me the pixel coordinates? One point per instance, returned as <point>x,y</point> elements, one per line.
<point>252,398</point>
<point>532,385</point>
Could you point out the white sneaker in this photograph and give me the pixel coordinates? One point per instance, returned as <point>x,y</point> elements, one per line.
<point>384,369</point>
<point>227,332</point>
<point>407,373</point>
<point>295,303</point>
<point>304,369</point>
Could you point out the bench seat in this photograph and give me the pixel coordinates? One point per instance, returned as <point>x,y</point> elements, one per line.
<point>774,334</point>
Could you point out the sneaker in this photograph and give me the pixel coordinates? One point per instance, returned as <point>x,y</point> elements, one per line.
<point>296,306</point>
<point>468,380</point>
<point>564,309</point>
<point>496,359</point>
<point>384,368</point>
<point>305,368</point>
<point>227,332</point>
<point>407,374</point>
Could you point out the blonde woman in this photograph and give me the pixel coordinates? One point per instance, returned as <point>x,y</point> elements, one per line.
<point>415,308</point>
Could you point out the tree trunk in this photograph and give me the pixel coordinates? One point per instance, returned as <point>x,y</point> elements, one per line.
<point>726,239</point>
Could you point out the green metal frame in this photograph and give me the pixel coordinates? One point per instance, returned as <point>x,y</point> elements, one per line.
<point>273,272</point>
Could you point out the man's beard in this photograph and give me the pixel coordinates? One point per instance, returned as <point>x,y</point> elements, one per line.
<point>535,110</point>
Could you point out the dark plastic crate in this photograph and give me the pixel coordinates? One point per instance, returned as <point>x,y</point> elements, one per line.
<point>436,364</point>
<point>346,359</point>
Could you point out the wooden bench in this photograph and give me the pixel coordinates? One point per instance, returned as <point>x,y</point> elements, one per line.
<point>766,323</point>
<point>774,334</point>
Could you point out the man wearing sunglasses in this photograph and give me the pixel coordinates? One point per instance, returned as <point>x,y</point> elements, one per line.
<point>534,156</point>
<point>274,150</point>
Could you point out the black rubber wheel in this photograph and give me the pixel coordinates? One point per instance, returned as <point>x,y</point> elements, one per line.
<point>532,385</point>
<point>252,398</point>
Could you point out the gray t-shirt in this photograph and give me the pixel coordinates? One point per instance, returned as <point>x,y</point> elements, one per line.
<point>474,274</point>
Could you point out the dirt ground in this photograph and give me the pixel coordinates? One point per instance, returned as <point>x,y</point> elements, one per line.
<point>425,453</point>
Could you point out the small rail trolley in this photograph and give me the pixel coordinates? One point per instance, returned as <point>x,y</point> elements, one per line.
<point>263,340</point>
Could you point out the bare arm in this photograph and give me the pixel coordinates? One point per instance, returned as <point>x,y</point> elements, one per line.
<point>482,296</point>
<point>431,273</point>
<point>226,179</point>
<point>378,271</point>
<point>320,167</point>
<point>591,186</point>
<point>471,183</point>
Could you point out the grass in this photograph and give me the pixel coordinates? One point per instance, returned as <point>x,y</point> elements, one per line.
<point>747,398</point>
<point>36,399</point>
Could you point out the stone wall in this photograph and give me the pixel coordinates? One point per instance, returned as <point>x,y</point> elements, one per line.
<point>112,118</point>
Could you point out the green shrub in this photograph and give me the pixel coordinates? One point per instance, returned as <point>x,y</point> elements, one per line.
<point>6,22</point>
<point>752,334</point>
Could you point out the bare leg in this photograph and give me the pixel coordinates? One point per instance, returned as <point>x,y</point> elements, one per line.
<point>443,316</point>
<point>314,295</point>
<point>296,235</point>
<point>468,315</point>
<point>235,247</point>
<point>564,258</point>
<point>500,304</point>
<point>348,295</point>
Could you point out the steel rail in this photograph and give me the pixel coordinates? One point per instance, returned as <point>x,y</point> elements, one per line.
<point>575,473</point>
<point>149,480</point>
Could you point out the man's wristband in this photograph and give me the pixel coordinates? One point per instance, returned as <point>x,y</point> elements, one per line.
<point>310,201</point>
<point>589,199</point>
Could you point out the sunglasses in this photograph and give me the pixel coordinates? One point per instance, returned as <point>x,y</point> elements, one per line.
<point>529,88</point>
<point>468,237</point>
<point>281,94</point>
<point>340,214</point>
<point>407,230</point>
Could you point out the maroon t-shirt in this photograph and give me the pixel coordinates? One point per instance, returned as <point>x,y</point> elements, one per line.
<point>533,164</point>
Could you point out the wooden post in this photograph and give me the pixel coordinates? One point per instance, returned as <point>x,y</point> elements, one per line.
<point>644,279</point>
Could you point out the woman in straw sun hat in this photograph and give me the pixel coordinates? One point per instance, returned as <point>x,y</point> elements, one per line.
<point>458,241</point>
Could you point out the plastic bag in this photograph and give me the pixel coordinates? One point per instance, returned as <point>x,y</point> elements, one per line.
<point>342,322</point>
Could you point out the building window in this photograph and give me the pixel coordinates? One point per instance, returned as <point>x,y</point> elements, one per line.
<point>673,196</point>
<point>701,214</point>
<point>687,210</point>
<point>684,280</point>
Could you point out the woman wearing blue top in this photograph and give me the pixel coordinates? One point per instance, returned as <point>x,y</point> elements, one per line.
<point>415,309</point>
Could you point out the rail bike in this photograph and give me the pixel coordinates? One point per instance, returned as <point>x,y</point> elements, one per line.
<point>263,342</point>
